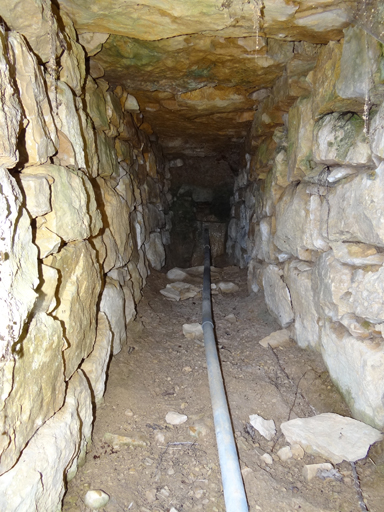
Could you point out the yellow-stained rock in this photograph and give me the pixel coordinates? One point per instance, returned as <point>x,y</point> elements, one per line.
<point>38,370</point>
<point>10,111</point>
<point>40,133</point>
<point>79,293</point>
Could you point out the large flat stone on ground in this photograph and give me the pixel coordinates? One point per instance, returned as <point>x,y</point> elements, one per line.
<point>333,437</point>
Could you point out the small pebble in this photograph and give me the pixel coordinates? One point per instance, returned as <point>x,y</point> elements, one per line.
<point>174,418</point>
<point>96,499</point>
<point>128,412</point>
<point>285,453</point>
<point>267,458</point>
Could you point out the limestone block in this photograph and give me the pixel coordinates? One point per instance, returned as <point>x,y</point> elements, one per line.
<point>107,246</point>
<point>359,63</point>
<point>298,216</point>
<point>78,293</point>
<point>354,211</point>
<point>80,395</point>
<point>34,21</point>
<point>46,301</point>
<point>108,163</point>
<point>47,241</point>
<point>306,317</point>
<point>113,109</point>
<point>357,368</point>
<point>137,281</point>
<point>268,248</point>
<point>18,270</point>
<point>92,42</point>
<point>123,151</point>
<point>10,110</point>
<point>130,305</point>
<point>96,107</point>
<point>40,133</point>
<point>339,138</point>
<point>72,60</point>
<point>68,122</point>
<point>357,254</point>
<point>155,252</point>
<point>320,435</point>
<point>277,296</point>
<point>112,304</point>
<point>376,134</point>
<point>117,213</point>
<point>300,129</point>
<point>143,265</point>
<point>38,480</point>
<point>37,193</point>
<point>331,283</point>
<point>96,364</point>
<point>92,158</point>
<point>138,226</point>
<point>125,189</point>
<point>367,289</point>
<point>72,202</point>
<point>38,370</point>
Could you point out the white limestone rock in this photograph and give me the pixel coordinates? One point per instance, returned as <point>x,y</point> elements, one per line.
<point>277,296</point>
<point>113,305</point>
<point>92,42</point>
<point>116,236</point>
<point>47,301</point>
<point>331,436</point>
<point>40,133</point>
<point>298,216</point>
<point>74,214</point>
<point>31,401</point>
<point>47,241</point>
<point>276,339</point>
<point>96,499</point>
<point>175,418</point>
<point>354,212</point>
<point>131,104</point>
<point>79,293</point>
<point>300,130</point>
<point>37,193</point>
<point>367,293</point>
<point>265,427</point>
<point>285,453</point>
<point>356,366</point>
<point>376,135</point>
<point>155,251</point>
<point>227,287</point>
<point>35,483</point>
<point>68,122</point>
<point>357,254</point>
<point>331,284</point>
<point>340,139</point>
<point>95,366</point>
<point>180,291</point>
<point>176,274</point>
<point>192,330</point>
<point>310,470</point>
<point>299,282</point>
<point>18,269</point>
<point>10,110</point>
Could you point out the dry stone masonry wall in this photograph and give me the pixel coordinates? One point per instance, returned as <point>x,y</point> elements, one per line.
<point>308,217</point>
<point>83,205</point>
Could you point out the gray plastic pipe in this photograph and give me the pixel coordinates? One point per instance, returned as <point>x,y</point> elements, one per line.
<point>234,493</point>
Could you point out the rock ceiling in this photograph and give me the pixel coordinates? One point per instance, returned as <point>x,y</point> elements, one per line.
<point>199,68</point>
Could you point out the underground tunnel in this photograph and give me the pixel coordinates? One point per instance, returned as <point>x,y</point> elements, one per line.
<point>126,130</point>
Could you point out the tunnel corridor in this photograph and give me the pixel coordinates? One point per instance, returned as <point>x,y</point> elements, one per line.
<point>126,130</point>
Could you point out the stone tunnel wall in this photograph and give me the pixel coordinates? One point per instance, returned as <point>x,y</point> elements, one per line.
<point>308,214</point>
<point>83,218</point>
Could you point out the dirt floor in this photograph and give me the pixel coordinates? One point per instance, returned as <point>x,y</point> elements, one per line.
<point>159,370</point>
